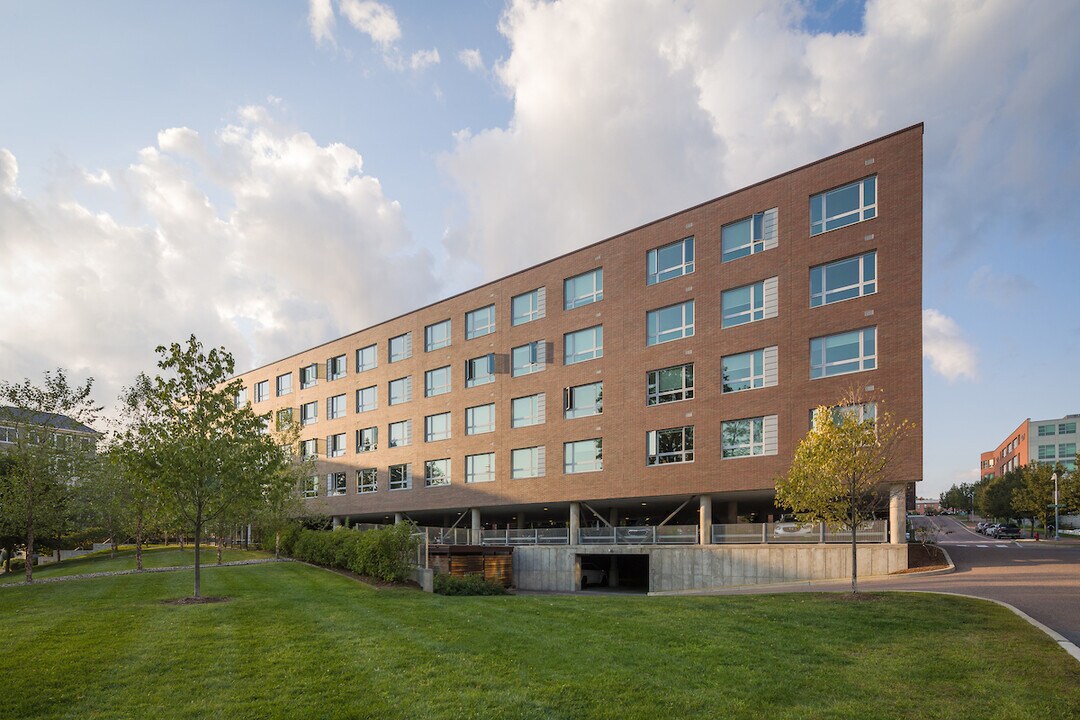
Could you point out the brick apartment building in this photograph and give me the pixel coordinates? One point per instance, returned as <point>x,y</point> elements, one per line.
<point>663,374</point>
<point>1044,441</point>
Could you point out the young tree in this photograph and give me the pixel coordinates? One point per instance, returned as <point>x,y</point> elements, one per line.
<point>839,468</point>
<point>994,498</point>
<point>958,497</point>
<point>48,455</point>
<point>1034,494</point>
<point>281,493</point>
<point>214,457</point>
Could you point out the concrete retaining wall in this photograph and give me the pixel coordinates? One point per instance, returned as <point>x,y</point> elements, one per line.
<point>705,567</point>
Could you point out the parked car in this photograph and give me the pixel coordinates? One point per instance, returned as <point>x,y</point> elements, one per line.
<point>795,530</point>
<point>592,574</point>
<point>1007,531</point>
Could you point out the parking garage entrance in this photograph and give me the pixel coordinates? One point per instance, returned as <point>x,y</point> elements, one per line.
<point>621,572</point>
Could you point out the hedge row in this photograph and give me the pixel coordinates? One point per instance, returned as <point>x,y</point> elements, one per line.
<point>466,585</point>
<point>388,553</point>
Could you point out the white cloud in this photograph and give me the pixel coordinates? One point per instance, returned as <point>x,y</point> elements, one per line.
<point>278,266</point>
<point>374,19</point>
<point>471,59</point>
<point>101,178</point>
<point>321,21</point>
<point>949,353</point>
<point>424,58</point>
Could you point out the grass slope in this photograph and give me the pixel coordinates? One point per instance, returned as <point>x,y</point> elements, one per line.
<point>296,641</point>
<point>154,557</point>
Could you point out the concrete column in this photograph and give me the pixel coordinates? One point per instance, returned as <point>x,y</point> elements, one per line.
<point>475,535</point>
<point>613,574</point>
<point>705,519</point>
<point>732,513</point>
<point>897,514</point>
<point>613,517</point>
<point>398,517</point>
<point>335,521</point>
<point>575,522</point>
<point>521,521</point>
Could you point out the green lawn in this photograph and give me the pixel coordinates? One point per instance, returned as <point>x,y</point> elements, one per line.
<point>154,557</point>
<point>296,641</point>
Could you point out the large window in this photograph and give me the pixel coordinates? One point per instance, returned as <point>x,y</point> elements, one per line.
<point>527,359</point>
<point>335,368</point>
<point>284,419</point>
<point>527,462</point>
<point>367,399</point>
<point>367,358</point>
<point>583,345</point>
<point>367,480</point>
<point>673,445</point>
<point>284,384</point>
<point>583,400</point>
<point>262,391</point>
<point>1067,428</point>
<point>401,347</point>
<point>669,384</point>
<point>480,322</point>
<point>843,353</point>
<point>480,468</point>
<point>437,335</point>
<point>437,381</point>
<point>743,304</point>
<point>437,472</point>
<point>745,371</point>
<point>751,235</point>
<point>309,449</point>
<point>367,439</point>
<point>528,410</point>
<point>740,438</point>
<point>309,413</point>
<point>1048,452</point>
<point>583,289</point>
<point>583,456</point>
<point>336,407</point>
<point>843,206</point>
<point>437,427</point>
<point>670,261</point>
<point>400,390</point>
<point>480,419</point>
<point>241,397</point>
<point>843,279</point>
<point>528,306</point>
<point>1045,430</point>
<point>335,483</point>
<point>400,433</point>
<point>1067,451</point>
<point>311,486</point>
<point>480,371</point>
<point>309,376</point>
<point>670,323</point>
<point>335,445</point>
<point>401,477</point>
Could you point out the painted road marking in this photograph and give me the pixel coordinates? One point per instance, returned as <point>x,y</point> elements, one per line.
<point>982,546</point>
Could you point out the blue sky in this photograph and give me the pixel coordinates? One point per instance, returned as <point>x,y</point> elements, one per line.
<point>189,167</point>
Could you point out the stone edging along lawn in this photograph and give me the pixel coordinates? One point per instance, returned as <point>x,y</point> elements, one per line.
<point>110,573</point>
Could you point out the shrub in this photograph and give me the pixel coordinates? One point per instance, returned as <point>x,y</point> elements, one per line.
<point>467,585</point>
<point>384,553</point>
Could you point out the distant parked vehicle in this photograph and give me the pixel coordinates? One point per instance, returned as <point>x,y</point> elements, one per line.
<point>794,529</point>
<point>592,574</point>
<point>1007,531</point>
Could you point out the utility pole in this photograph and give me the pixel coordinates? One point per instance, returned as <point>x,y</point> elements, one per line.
<point>1057,504</point>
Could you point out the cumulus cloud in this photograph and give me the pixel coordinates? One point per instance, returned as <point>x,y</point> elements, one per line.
<point>284,261</point>
<point>949,353</point>
<point>424,58</point>
<point>471,59</point>
<point>321,21</point>
<point>377,21</point>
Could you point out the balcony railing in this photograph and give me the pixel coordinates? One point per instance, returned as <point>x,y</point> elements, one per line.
<point>640,535</point>
<point>538,536</point>
<point>876,531</point>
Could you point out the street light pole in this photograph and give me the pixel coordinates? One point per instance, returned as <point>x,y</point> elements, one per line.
<point>1057,532</point>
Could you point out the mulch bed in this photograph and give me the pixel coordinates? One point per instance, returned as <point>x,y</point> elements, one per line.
<point>196,600</point>
<point>373,582</point>
<point>922,558</point>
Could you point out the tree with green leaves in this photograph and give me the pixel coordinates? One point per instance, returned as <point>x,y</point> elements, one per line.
<point>840,468</point>
<point>958,497</point>
<point>212,457</point>
<point>994,498</point>
<point>1034,495</point>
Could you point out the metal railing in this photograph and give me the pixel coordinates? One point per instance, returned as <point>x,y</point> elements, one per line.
<point>639,535</point>
<point>537,536</point>
<point>787,533</point>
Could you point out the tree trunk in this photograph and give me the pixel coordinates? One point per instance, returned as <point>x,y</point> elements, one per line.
<point>30,549</point>
<point>198,539</point>
<point>138,542</point>
<point>7,558</point>
<point>220,546</point>
<point>854,544</point>
<point>115,546</point>
<point>166,538</point>
<point>180,537</point>
<point>277,545</point>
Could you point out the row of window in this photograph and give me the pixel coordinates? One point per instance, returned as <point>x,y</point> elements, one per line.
<point>1065,428</point>
<point>10,436</point>
<point>1063,451</point>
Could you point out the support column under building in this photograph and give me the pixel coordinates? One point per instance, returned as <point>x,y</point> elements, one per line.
<point>398,517</point>
<point>475,534</point>
<point>520,521</point>
<point>897,514</point>
<point>705,520</point>
<point>575,522</point>
<point>335,522</point>
<point>732,513</point>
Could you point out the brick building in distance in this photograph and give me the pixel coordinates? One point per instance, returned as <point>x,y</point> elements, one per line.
<point>1043,441</point>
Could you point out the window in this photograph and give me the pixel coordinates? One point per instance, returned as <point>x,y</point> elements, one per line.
<point>367,358</point>
<point>241,397</point>
<point>843,206</point>
<point>400,433</point>
<point>1067,428</point>
<point>843,353</point>
<point>437,427</point>
<point>669,384</point>
<point>401,347</point>
<point>1045,430</point>
<point>335,483</point>
<point>583,345</point>
<point>8,435</point>
<point>309,376</point>
<point>1047,452</point>
<point>367,439</point>
<point>437,472</point>
<point>400,390</point>
<point>674,445</point>
<point>528,410</point>
<point>480,322</point>
<point>311,486</point>
<point>670,261</point>
<point>309,413</point>
<point>437,335</point>
<point>284,419</point>
<point>583,400</point>
<point>367,399</point>
<point>583,289</point>
<point>367,480</point>
<point>262,391</point>
<point>437,381</point>
<point>528,306</point>
<point>309,449</point>
<point>335,368</point>
<point>480,419</point>
<point>480,468</point>
<point>743,304</point>
<point>335,445</point>
<point>527,462</point>
<point>284,384</point>
<point>1067,451</point>
<point>527,359</point>
<point>480,371</point>
<point>670,323</point>
<point>583,456</point>
<point>740,438</point>
<point>863,412</point>
<point>751,235</point>
<point>745,371</point>
<point>843,279</point>
<point>336,407</point>
<point>401,477</point>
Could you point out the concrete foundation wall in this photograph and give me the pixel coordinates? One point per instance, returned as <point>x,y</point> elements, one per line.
<point>704,567</point>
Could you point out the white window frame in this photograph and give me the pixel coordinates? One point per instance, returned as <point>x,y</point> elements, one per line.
<point>474,474</point>
<point>443,479</point>
<point>405,482</point>
<point>571,409</point>
<point>309,376</point>
<point>336,484</point>
<point>309,448</point>
<point>262,391</point>
<point>471,422</point>
<point>472,378</point>
<point>278,386</point>
<point>404,387</point>
<point>430,435</point>
<point>367,481</point>
<point>532,469</point>
<point>241,399</point>
<point>337,367</point>
<point>477,325</point>
<point>572,355</point>
<point>754,445</point>
<point>753,313</point>
<point>430,376</point>
<point>535,401</point>
<point>570,464</point>
<point>573,300</point>
<point>311,486</point>
<point>653,455</point>
<point>361,407</point>
<point>655,274</point>
<point>403,428</point>
<point>309,413</point>
<point>337,406</point>
<point>656,396</point>
<point>754,245</point>
<point>866,210</point>
<point>756,378</point>
<point>534,365</point>
<point>362,358</point>
<point>819,366</point>
<point>431,342</point>
<point>657,335</point>
<point>535,310</point>
<point>335,445</point>
<point>865,285</point>
<point>374,444</point>
<point>404,352</point>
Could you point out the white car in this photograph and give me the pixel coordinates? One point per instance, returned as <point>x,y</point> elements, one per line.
<point>592,574</point>
<point>795,529</point>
